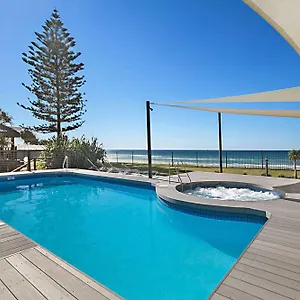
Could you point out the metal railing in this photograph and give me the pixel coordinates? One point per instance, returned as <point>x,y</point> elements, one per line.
<point>65,164</point>
<point>207,158</point>
<point>187,174</point>
<point>171,165</point>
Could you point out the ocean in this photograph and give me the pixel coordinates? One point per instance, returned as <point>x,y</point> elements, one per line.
<point>277,159</point>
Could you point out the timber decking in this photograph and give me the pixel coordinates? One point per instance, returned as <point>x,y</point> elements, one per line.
<point>28,271</point>
<point>270,267</point>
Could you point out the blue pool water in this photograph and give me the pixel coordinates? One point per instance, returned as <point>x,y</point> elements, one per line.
<point>124,237</point>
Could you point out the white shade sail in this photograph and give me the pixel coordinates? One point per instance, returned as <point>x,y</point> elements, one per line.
<point>282,95</point>
<point>255,112</point>
<point>283,15</point>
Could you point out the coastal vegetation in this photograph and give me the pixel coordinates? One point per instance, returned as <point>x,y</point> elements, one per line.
<point>294,155</point>
<point>56,80</point>
<point>58,104</point>
<point>5,118</point>
<point>79,151</point>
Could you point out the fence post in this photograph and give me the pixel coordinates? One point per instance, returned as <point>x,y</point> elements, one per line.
<point>117,157</point>
<point>226,158</point>
<point>29,162</point>
<point>132,157</point>
<point>220,144</point>
<point>267,167</point>
<point>172,159</point>
<point>197,159</point>
<point>262,159</point>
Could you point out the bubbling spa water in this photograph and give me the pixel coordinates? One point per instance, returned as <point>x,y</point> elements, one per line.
<point>221,192</point>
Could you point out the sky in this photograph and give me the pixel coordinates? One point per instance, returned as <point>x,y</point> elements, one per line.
<point>162,51</point>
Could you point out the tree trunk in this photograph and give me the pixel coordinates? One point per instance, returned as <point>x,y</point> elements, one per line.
<point>295,169</point>
<point>58,129</point>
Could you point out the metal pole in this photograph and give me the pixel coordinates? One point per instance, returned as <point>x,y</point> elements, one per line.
<point>132,157</point>
<point>29,161</point>
<point>220,142</point>
<point>148,109</point>
<point>197,159</point>
<point>117,157</point>
<point>172,159</point>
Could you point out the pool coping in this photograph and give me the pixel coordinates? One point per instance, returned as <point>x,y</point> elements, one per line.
<point>259,269</point>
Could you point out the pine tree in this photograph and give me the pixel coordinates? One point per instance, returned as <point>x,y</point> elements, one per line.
<point>55,82</point>
<point>5,118</point>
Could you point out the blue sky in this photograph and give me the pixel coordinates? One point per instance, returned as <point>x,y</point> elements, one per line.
<point>159,50</point>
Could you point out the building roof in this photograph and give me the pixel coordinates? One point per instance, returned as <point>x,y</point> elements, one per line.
<point>10,131</point>
<point>26,147</point>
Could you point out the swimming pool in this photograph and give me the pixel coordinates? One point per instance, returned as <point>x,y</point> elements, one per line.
<point>124,237</point>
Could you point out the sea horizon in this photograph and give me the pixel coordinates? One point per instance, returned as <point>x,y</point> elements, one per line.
<point>184,149</point>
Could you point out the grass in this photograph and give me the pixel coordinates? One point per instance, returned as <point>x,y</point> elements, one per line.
<point>163,169</point>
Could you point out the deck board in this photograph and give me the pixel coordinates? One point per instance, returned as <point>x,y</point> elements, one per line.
<point>75,286</point>
<point>48,287</point>
<point>264,283</point>
<point>272,262</point>
<point>17,284</point>
<point>89,281</point>
<point>219,297</point>
<point>12,241</point>
<point>277,270</point>
<point>277,246</point>
<point>234,294</point>
<point>5,293</point>
<point>276,278</point>
<point>252,289</point>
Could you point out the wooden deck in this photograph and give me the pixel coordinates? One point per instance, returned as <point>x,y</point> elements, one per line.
<point>29,272</point>
<point>270,267</point>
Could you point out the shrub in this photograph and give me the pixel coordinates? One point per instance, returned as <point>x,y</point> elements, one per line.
<point>55,152</point>
<point>264,174</point>
<point>78,150</point>
<point>281,175</point>
<point>82,149</point>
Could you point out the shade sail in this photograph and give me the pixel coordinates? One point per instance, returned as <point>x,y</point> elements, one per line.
<point>282,95</point>
<point>283,15</point>
<point>255,112</point>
